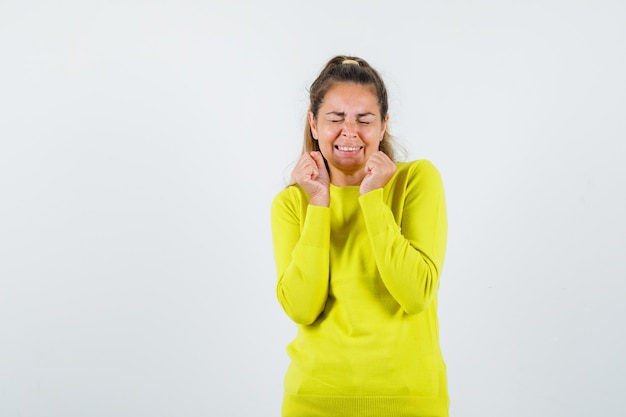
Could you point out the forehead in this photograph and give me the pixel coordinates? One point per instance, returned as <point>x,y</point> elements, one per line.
<point>351,95</point>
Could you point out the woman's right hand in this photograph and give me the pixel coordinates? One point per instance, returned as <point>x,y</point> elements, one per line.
<point>310,173</point>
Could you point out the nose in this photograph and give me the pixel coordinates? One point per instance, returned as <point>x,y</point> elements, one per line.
<point>349,129</point>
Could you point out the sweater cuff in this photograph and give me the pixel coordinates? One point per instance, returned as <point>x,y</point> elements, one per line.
<point>316,228</point>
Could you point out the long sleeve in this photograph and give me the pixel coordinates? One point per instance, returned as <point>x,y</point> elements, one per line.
<point>301,239</point>
<point>409,249</point>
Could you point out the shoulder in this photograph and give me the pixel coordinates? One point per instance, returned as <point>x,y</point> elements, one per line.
<point>419,169</point>
<point>418,177</point>
<point>290,196</point>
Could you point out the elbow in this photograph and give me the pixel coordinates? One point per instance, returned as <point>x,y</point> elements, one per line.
<point>417,306</point>
<point>304,312</point>
<point>423,296</point>
<point>303,318</point>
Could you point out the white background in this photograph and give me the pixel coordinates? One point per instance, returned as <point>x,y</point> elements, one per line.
<point>141,144</point>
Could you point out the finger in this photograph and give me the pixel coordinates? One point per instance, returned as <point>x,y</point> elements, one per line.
<point>310,170</point>
<point>304,168</point>
<point>317,158</point>
<point>380,159</point>
<point>319,161</point>
<point>305,159</point>
<point>373,162</point>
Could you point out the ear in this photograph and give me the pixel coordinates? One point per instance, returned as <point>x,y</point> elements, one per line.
<point>384,127</point>
<point>313,125</point>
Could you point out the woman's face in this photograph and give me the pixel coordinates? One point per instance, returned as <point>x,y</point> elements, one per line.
<point>348,128</point>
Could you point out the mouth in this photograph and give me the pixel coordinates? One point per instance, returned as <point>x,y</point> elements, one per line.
<point>348,148</point>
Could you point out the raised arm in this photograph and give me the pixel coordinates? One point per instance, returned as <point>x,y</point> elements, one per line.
<point>409,256</point>
<point>301,238</point>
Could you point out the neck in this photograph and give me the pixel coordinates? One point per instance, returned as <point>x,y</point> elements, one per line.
<point>345,179</point>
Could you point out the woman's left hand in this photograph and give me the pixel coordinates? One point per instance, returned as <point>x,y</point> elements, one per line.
<point>379,169</point>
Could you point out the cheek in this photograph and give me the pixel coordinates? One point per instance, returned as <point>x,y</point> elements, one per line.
<point>330,130</point>
<point>373,135</point>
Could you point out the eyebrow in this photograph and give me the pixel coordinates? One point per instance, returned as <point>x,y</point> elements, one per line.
<point>342,114</point>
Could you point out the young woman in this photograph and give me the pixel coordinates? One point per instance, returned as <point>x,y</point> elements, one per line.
<point>359,243</point>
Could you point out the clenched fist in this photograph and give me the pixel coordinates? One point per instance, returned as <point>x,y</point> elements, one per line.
<point>379,169</point>
<point>310,173</point>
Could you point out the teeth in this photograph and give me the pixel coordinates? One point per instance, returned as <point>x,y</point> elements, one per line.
<point>348,148</point>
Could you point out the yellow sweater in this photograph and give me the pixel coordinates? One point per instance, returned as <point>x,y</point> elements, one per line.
<point>360,279</point>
